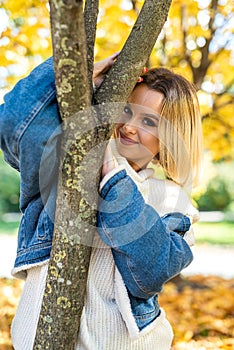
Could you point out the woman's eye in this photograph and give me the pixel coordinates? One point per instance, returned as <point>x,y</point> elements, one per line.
<point>127,110</point>
<point>126,115</point>
<point>149,122</point>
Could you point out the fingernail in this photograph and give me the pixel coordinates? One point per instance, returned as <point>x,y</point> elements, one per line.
<point>140,79</point>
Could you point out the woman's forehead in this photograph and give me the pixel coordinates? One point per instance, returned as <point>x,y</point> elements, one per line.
<point>146,98</point>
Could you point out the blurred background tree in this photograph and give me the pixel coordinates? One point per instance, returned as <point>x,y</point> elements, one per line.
<point>196,41</point>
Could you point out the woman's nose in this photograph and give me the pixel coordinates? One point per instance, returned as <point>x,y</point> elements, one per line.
<point>130,127</point>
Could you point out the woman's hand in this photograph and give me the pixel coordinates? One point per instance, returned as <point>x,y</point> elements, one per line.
<point>108,161</point>
<point>101,68</point>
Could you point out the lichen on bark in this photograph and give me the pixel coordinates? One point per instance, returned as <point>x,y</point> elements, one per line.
<point>75,219</point>
<point>67,273</point>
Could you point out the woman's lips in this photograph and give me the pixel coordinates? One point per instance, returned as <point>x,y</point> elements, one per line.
<point>126,140</point>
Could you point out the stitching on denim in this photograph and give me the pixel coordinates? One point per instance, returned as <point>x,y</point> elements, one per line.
<point>147,315</point>
<point>31,259</point>
<point>105,230</point>
<point>34,248</point>
<point>138,283</point>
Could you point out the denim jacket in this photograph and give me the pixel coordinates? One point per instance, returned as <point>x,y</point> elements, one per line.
<point>28,118</point>
<point>148,250</point>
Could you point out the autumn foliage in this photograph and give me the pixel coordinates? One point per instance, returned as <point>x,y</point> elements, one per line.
<point>200,309</point>
<point>196,41</point>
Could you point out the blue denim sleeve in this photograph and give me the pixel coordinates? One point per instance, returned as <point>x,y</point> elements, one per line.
<point>146,250</point>
<point>30,130</point>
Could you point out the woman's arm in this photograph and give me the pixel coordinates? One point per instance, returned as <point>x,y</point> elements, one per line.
<point>146,253</point>
<point>30,127</point>
<point>22,104</point>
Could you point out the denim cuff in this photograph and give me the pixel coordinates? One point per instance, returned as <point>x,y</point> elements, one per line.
<point>111,179</point>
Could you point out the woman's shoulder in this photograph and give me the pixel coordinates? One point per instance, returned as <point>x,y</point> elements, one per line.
<point>165,186</point>
<point>167,196</point>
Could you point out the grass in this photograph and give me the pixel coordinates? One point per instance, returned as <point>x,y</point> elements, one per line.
<point>9,228</point>
<point>215,232</point>
<point>205,232</point>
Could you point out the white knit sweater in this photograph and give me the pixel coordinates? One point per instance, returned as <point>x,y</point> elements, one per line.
<point>107,322</point>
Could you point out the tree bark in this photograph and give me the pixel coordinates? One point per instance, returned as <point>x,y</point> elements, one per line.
<point>90,16</point>
<point>66,280</point>
<point>81,155</point>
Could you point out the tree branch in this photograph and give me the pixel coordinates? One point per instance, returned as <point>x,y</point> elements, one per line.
<point>135,52</point>
<point>216,108</point>
<point>69,55</point>
<point>183,23</point>
<point>90,16</point>
<point>215,116</point>
<point>200,71</point>
<point>134,6</point>
<point>227,87</point>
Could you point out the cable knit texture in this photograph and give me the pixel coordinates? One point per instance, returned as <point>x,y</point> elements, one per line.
<point>24,326</point>
<point>107,322</point>
<point>102,324</point>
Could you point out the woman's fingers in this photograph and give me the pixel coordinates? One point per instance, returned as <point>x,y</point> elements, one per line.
<point>102,67</point>
<point>108,161</point>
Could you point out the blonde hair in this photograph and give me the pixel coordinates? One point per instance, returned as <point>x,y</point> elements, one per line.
<point>180,129</point>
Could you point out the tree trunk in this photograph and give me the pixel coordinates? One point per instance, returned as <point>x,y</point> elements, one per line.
<point>83,132</point>
<point>63,299</point>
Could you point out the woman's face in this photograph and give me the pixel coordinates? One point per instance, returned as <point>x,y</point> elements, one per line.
<point>137,131</point>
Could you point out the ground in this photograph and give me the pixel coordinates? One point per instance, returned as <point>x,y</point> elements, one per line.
<point>200,309</point>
